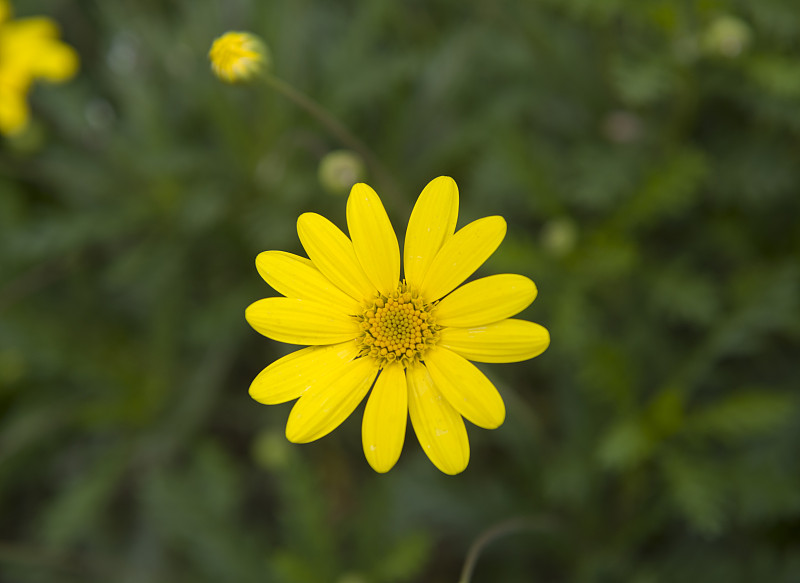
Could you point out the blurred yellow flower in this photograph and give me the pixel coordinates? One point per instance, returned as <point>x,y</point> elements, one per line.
<point>29,50</point>
<point>409,340</point>
<point>238,56</point>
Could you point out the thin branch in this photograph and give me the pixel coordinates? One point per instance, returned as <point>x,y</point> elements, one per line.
<point>340,131</point>
<point>504,528</point>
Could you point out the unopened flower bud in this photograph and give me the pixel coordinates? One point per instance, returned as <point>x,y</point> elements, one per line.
<point>237,57</point>
<point>340,170</point>
<point>727,36</point>
<point>559,236</point>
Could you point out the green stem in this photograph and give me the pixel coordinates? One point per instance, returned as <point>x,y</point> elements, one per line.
<point>499,530</point>
<point>339,130</point>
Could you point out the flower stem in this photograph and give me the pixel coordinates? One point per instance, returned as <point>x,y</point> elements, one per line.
<point>339,130</point>
<point>499,530</point>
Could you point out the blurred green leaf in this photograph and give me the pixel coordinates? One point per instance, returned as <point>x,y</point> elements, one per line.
<point>81,507</point>
<point>744,414</point>
<point>696,488</point>
<point>626,444</point>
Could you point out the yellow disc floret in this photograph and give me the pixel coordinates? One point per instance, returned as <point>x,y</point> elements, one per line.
<point>398,327</point>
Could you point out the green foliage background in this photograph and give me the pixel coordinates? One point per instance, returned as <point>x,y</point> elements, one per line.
<point>645,156</point>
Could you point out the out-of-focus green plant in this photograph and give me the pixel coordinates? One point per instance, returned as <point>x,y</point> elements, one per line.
<point>644,155</point>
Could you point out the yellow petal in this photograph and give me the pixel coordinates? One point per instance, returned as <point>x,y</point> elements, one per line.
<point>296,277</point>
<point>333,254</point>
<point>57,62</point>
<point>33,30</point>
<point>461,255</point>
<point>297,321</point>
<point>505,341</point>
<point>14,112</point>
<point>34,46</point>
<point>439,428</point>
<point>322,409</point>
<point>432,222</point>
<point>466,388</point>
<point>289,377</point>
<point>486,300</point>
<point>374,240</point>
<point>384,428</point>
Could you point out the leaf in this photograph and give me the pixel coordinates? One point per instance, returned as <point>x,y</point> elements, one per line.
<point>79,508</point>
<point>405,560</point>
<point>743,415</point>
<point>670,189</point>
<point>697,489</point>
<point>665,413</point>
<point>625,445</point>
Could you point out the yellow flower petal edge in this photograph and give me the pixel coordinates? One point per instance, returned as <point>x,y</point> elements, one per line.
<point>325,407</point>
<point>383,429</point>
<point>290,377</point>
<point>29,50</point>
<point>466,388</point>
<point>486,300</point>
<point>373,238</point>
<point>432,222</point>
<point>505,341</point>
<point>439,428</point>
<point>56,63</point>
<point>14,112</point>
<point>461,255</point>
<point>296,277</point>
<point>332,253</point>
<point>298,321</point>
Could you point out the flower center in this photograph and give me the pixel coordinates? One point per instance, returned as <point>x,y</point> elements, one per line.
<point>397,327</point>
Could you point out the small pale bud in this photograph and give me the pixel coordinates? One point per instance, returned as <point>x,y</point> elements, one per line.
<point>270,450</point>
<point>340,170</point>
<point>727,36</point>
<point>559,236</point>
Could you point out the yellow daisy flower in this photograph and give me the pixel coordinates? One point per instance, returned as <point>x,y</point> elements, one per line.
<point>29,50</point>
<point>408,340</point>
<point>238,57</point>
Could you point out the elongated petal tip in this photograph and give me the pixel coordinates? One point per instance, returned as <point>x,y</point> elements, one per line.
<point>466,388</point>
<point>383,429</point>
<point>333,254</point>
<point>298,321</point>
<point>432,222</point>
<point>374,241</point>
<point>444,184</point>
<point>509,340</point>
<point>461,255</point>
<point>439,427</point>
<point>291,376</point>
<point>324,408</point>
<point>486,300</point>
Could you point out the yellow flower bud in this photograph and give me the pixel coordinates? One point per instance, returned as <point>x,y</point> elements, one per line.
<point>238,57</point>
